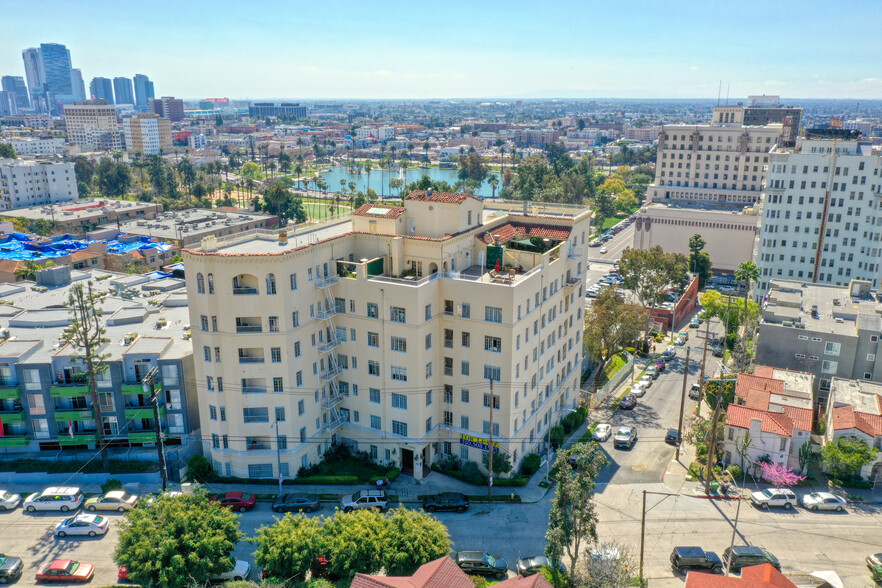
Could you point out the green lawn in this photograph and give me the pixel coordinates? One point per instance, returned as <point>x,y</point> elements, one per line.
<point>350,467</point>
<point>320,210</point>
<point>615,364</point>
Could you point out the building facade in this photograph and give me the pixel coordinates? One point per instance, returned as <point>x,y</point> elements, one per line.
<point>286,109</point>
<point>412,333</point>
<point>122,90</point>
<point>101,89</point>
<point>32,146</point>
<point>147,134</point>
<point>17,86</point>
<point>167,107</point>
<point>77,84</point>
<point>27,182</point>
<point>821,214</point>
<point>143,91</point>
<point>92,124</point>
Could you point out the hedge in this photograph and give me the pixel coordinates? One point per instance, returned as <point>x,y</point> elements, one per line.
<point>347,480</point>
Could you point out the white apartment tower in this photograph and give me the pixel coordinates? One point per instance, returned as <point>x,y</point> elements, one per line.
<point>28,182</point>
<point>388,333</point>
<point>147,134</point>
<point>92,124</point>
<point>821,217</point>
<point>722,163</point>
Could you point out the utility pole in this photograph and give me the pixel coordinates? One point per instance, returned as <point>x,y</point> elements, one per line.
<point>682,406</point>
<point>643,523</point>
<point>490,483</point>
<point>149,388</point>
<point>712,444</point>
<point>278,456</point>
<point>703,358</point>
<point>734,530</point>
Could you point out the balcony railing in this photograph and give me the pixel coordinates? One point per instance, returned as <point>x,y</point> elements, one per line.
<point>244,291</point>
<point>332,401</point>
<point>143,412</point>
<point>8,441</point>
<point>78,439</point>
<point>330,345</point>
<point>327,281</point>
<point>11,417</point>
<point>330,373</point>
<point>130,389</point>
<point>333,424</point>
<point>68,391</point>
<point>251,359</point>
<point>575,253</point>
<point>258,446</point>
<point>83,414</point>
<point>326,313</point>
<point>249,329</point>
<point>144,435</point>
<point>253,389</point>
<point>10,393</point>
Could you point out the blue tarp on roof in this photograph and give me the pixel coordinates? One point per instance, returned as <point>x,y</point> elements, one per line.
<point>19,247</point>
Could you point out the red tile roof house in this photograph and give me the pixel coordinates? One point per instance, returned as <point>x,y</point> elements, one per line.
<point>764,576</point>
<point>778,419</point>
<point>855,410</point>
<point>441,573</point>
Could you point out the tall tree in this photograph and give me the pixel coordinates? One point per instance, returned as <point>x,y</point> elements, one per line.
<point>572,522</point>
<point>30,268</point>
<point>276,195</point>
<point>7,152</point>
<point>112,177</point>
<point>611,325</point>
<point>749,273</point>
<point>288,549</point>
<point>699,260</point>
<point>649,273</point>
<point>86,334</point>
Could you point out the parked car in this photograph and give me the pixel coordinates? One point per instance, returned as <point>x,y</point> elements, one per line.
<point>638,390</point>
<point>660,364</point>
<point>669,354</point>
<point>695,391</point>
<point>65,570</point>
<point>823,501</point>
<point>652,372</point>
<point>83,524</point>
<point>742,556</point>
<point>717,351</point>
<point>446,501</point>
<point>595,243</point>
<point>297,503</point>
<point>684,559</point>
<point>365,499</point>
<point>240,572</point>
<point>527,566</point>
<point>681,339</point>
<point>55,498</point>
<point>694,323</point>
<point>11,568</point>
<point>625,438</point>
<point>628,402</point>
<point>602,432</point>
<point>672,437</point>
<point>114,500</point>
<point>240,501</point>
<point>9,500</point>
<point>874,560</point>
<point>646,381</point>
<point>481,563</point>
<point>774,497</point>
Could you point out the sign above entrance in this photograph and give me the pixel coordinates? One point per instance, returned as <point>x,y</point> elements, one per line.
<point>482,444</point>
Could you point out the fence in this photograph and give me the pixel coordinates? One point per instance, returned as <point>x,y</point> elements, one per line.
<point>602,393</point>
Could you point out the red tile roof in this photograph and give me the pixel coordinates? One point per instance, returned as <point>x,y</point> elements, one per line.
<point>443,197</point>
<point>534,581</point>
<point>764,576</point>
<point>391,211</point>
<point>755,382</point>
<point>772,422</point>
<point>846,417</point>
<point>802,417</point>
<point>764,371</point>
<point>440,573</point>
<point>507,232</point>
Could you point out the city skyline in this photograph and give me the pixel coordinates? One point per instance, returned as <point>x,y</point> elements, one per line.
<point>405,51</point>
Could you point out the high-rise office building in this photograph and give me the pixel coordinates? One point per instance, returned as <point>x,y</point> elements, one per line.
<point>447,336</point>
<point>79,87</point>
<point>92,124</point>
<point>143,91</point>
<point>17,86</point>
<point>147,134</point>
<point>8,103</point>
<point>33,64</point>
<point>168,107</point>
<point>122,90</point>
<point>101,89</point>
<point>820,218</point>
<point>48,69</point>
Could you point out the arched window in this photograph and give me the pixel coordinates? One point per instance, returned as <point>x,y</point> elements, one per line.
<point>271,283</point>
<point>211,283</point>
<point>200,284</point>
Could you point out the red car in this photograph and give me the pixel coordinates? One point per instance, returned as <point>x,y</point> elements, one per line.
<point>234,500</point>
<point>66,570</point>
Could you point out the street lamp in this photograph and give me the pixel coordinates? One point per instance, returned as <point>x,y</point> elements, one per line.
<point>278,454</point>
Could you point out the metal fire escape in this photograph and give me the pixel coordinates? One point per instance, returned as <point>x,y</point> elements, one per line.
<point>329,366</point>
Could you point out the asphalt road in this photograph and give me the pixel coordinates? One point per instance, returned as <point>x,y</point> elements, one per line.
<point>614,247</point>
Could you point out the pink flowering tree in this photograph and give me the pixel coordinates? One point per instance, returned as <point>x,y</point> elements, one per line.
<point>779,475</point>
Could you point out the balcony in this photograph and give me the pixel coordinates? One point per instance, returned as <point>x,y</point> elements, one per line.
<point>251,359</point>
<point>333,423</point>
<point>10,441</point>
<point>143,436</point>
<point>83,414</point>
<point>253,389</point>
<point>330,373</point>
<point>330,345</point>
<point>78,439</point>
<point>258,446</point>
<point>68,391</point>
<point>326,313</point>
<point>143,412</point>
<point>135,389</point>
<point>327,281</point>
<point>10,393</point>
<point>249,329</point>
<point>329,402</point>
<point>575,253</point>
<point>244,291</point>
<point>12,417</point>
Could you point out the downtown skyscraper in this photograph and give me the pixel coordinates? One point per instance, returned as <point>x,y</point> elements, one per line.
<point>49,76</point>
<point>143,91</point>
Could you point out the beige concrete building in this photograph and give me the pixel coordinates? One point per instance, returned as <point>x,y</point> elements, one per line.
<point>29,182</point>
<point>147,134</point>
<point>730,235</point>
<point>388,333</point>
<point>92,124</point>
<point>86,214</point>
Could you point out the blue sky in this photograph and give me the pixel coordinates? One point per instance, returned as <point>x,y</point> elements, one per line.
<point>476,48</point>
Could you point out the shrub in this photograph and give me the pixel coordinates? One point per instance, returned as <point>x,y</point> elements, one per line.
<point>530,464</point>
<point>328,480</point>
<point>695,471</point>
<point>471,472</point>
<point>701,451</point>
<point>557,436</point>
<point>517,481</point>
<point>480,582</point>
<point>735,470</point>
<point>110,485</point>
<point>199,469</point>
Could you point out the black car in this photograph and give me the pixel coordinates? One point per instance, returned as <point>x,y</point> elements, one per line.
<point>481,563</point>
<point>628,402</point>
<point>672,437</point>
<point>10,568</point>
<point>297,503</point>
<point>742,556</point>
<point>527,566</point>
<point>684,559</point>
<point>446,501</point>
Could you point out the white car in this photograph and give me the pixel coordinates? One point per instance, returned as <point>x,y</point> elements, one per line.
<point>239,573</point>
<point>638,390</point>
<point>774,497</point>
<point>646,381</point>
<point>603,250</point>
<point>602,432</point>
<point>9,500</point>
<point>823,501</point>
<point>83,524</point>
<point>61,498</point>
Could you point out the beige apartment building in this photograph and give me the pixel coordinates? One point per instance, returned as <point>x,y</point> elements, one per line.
<point>147,134</point>
<point>92,124</point>
<point>388,332</point>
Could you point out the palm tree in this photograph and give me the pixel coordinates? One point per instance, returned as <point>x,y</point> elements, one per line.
<point>368,165</point>
<point>747,272</point>
<point>30,268</point>
<point>426,149</point>
<point>493,180</point>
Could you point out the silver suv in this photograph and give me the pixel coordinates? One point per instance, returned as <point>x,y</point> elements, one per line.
<point>774,497</point>
<point>365,499</point>
<point>55,498</point>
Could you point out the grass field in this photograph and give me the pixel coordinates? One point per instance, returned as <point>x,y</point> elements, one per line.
<point>321,210</point>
